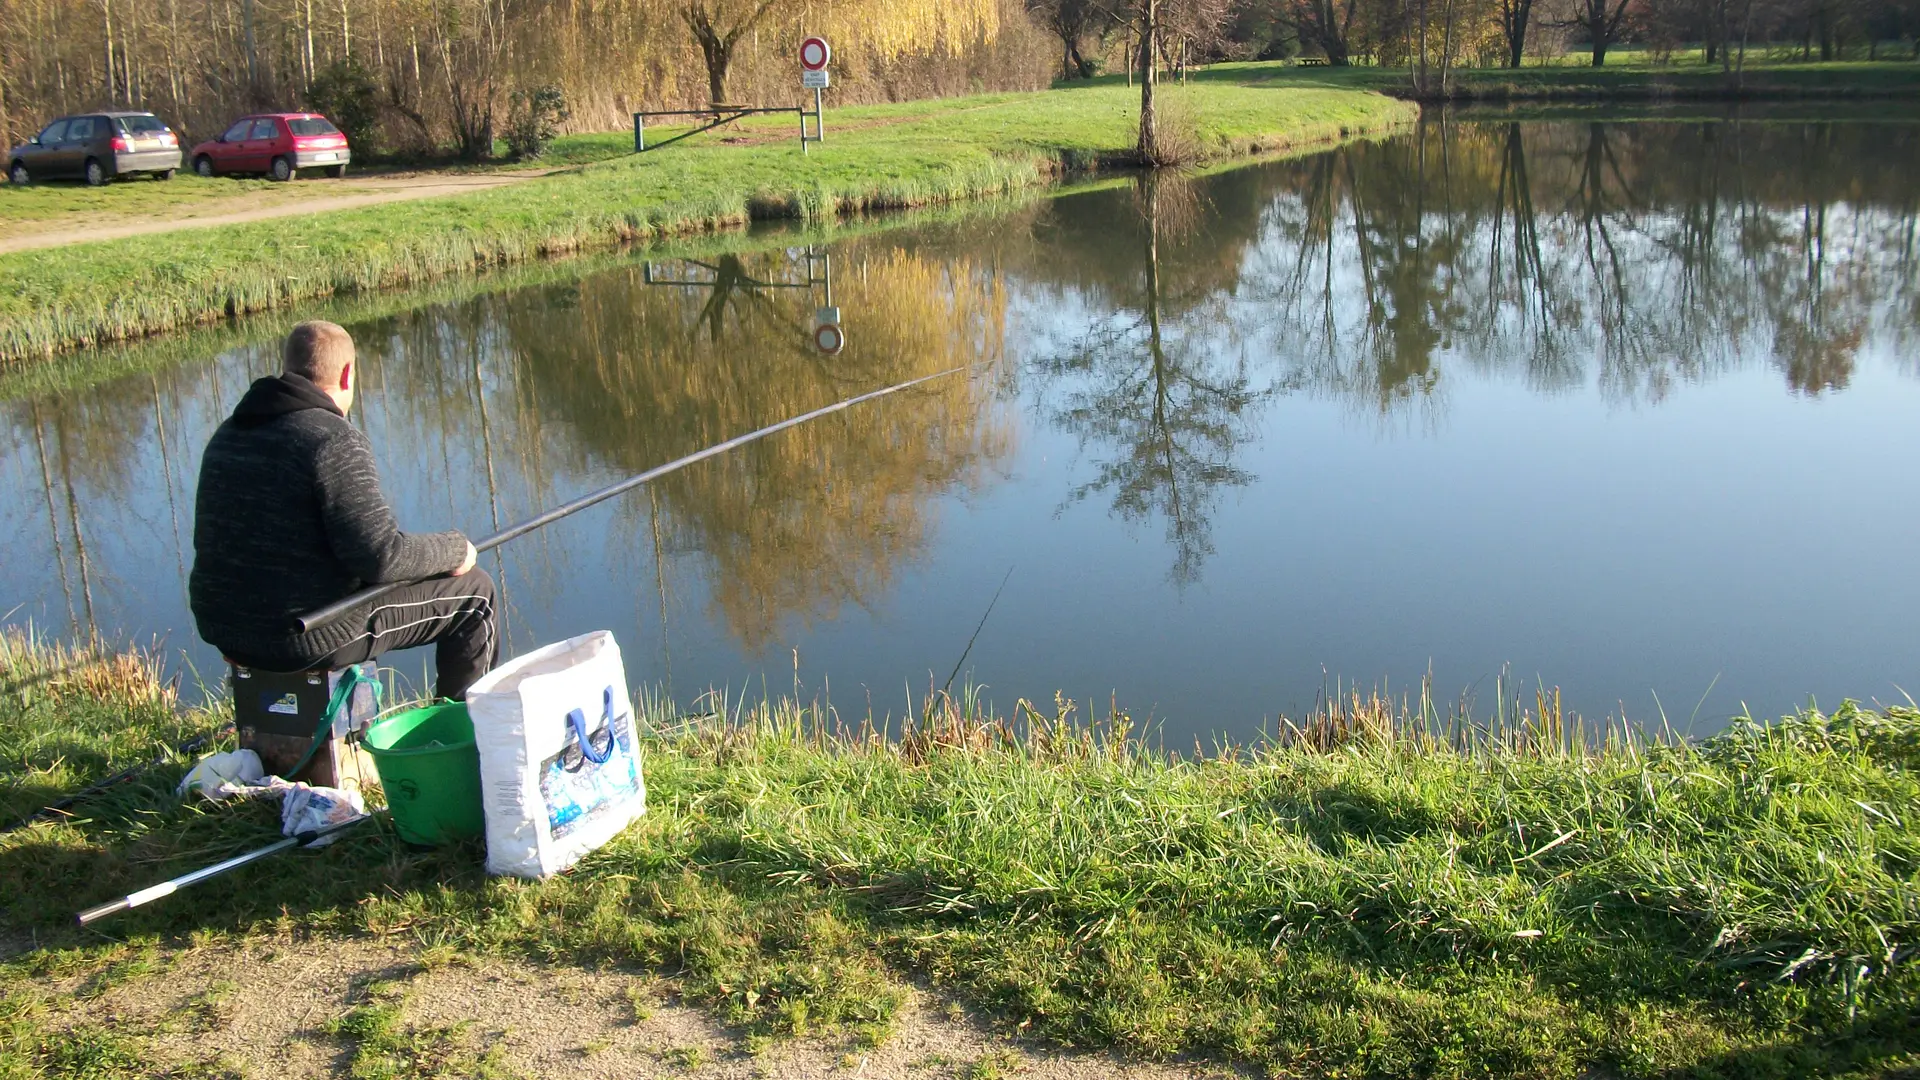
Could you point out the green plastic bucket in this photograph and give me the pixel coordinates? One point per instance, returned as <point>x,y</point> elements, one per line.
<point>430,770</point>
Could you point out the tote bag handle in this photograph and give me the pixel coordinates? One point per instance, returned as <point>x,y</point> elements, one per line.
<point>577,719</point>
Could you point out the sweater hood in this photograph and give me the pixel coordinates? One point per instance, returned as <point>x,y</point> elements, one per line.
<point>279,395</point>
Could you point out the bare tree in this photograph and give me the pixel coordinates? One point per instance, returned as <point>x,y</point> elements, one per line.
<point>1601,23</point>
<point>1327,24</point>
<point>1072,21</point>
<point>1515,15</point>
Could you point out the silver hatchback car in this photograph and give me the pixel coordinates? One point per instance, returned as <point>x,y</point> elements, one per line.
<point>97,147</point>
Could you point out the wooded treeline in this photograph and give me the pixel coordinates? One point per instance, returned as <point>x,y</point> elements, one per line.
<point>1433,36</point>
<point>441,75</point>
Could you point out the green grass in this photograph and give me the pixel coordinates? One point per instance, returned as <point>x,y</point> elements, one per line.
<point>1371,900</point>
<point>81,205</point>
<point>878,157</point>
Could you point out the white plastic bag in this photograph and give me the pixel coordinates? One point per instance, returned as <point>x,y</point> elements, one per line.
<point>305,808</point>
<point>559,767</point>
<point>222,776</point>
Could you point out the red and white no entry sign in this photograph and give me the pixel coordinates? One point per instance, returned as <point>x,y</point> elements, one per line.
<point>814,54</point>
<point>828,338</point>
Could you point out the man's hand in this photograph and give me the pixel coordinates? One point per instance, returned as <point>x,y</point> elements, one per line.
<point>466,564</point>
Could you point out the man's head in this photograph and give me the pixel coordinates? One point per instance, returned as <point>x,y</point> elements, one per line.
<point>323,353</point>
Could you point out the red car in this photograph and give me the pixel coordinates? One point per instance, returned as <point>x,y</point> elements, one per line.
<point>277,144</point>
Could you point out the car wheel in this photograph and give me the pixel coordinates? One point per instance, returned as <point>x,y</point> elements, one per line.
<point>18,174</point>
<point>204,166</point>
<point>282,169</point>
<point>163,174</point>
<point>336,171</point>
<point>95,174</point>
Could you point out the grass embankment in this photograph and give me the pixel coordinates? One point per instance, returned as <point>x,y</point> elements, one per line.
<point>876,157</point>
<point>1385,905</point>
<point>122,359</point>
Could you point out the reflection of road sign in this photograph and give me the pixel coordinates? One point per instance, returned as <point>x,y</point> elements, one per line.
<point>814,54</point>
<point>814,80</point>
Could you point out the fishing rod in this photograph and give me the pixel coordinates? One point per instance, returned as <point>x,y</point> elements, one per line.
<point>322,616</point>
<point>173,885</point>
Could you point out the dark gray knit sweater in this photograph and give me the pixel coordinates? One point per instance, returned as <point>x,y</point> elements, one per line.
<point>290,517</point>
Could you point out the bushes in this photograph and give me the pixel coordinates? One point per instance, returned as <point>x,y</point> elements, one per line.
<point>533,119</point>
<point>345,92</point>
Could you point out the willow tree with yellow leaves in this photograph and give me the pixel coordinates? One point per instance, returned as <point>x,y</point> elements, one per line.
<point>887,28</point>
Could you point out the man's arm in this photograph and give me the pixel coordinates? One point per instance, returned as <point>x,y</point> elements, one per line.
<point>360,525</point>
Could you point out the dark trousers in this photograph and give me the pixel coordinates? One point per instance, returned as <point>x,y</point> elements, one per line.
<point>454,614</point>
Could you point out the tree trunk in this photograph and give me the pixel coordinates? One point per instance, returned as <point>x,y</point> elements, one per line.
<point>253,54</point>
<point>1599,51</point>
<point>1149,148</point>
<point>6,118</point>
<point>1420,62</point>
<point>718,57</point>
<point>106,12</point>
<point>1515,21</point>
<point>175,84</point>
<point>715,49</point>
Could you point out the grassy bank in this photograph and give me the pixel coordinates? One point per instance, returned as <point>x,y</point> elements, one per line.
<point>1382,905</point>
<point>878,157</point>
<point>121,359</point>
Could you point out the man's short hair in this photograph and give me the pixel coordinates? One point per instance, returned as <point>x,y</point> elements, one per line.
<point>318,350</point>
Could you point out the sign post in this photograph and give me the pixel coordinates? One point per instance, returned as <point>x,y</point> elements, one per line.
<point>815,54</point>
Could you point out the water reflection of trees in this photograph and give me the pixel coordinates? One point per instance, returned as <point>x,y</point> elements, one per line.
<point>489,410</point>
<point>1630,257</point>
<point>1162,408</point>
<point>818,517</point>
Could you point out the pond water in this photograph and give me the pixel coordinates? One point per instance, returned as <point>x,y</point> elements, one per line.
<point>1626,408</point>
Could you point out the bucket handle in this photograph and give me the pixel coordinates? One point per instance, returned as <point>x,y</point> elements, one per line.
<point>577,719</point>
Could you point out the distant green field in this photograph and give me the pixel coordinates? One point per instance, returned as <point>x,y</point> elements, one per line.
<point>875,157</point>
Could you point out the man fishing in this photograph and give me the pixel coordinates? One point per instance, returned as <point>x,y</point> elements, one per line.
<point>290,517</point>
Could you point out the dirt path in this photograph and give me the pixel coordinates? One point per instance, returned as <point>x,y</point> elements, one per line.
<point>263,1008</point>
<point>245,208</point>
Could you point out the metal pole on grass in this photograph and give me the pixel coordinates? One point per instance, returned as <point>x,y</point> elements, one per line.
<point>173,885</point>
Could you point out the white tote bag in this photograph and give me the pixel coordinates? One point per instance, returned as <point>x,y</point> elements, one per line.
<point>559,766</point>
